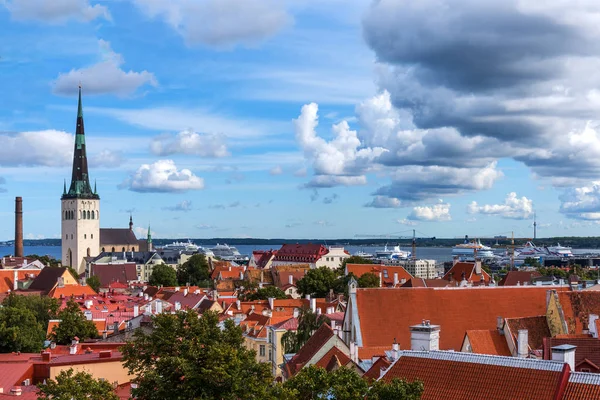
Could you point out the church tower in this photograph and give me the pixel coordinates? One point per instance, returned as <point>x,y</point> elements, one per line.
<point>80,211</point>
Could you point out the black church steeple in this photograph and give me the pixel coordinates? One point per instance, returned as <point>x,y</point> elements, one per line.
<point>80,187</point>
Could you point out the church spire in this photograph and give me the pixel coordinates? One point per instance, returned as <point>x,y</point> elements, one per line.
<point>130,222</point>
<point>80,187</point>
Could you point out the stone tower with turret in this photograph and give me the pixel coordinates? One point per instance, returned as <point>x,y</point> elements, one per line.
<point>80,211</point>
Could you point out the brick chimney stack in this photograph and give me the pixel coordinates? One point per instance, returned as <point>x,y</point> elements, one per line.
<point>19,227</point>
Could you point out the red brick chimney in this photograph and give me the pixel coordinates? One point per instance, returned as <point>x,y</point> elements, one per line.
<point>19,227</point>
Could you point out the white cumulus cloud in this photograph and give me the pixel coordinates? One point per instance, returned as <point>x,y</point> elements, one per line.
<point>162,176</point>
<point>190,142</point>
<point>341,161</point>
<point>55,11</point>
<point>513,207</point>
<point>49,148</point>
<point>436,212</point>
<point>107,76</point>
<point>582,202</point>
<point>107,159</point>
<point>220,23</point>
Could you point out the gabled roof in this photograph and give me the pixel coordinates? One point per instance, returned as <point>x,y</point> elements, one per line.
<point>537,329</point>
<point>582,386</point>
<point>387,272</point>
<point>488,341</point>
<point>310,252</point>
<point>333,359</point>
<point>456,310</point>
<point>374,372</point>
<point>117,236</point>
<point>469,271</point>
<point>512,278</point>
<point>110,273</point>
<point>310,348</point>
<point>457,376</point>
<point>47,278</point>
<point>577,306</point>
<point>587,348</point>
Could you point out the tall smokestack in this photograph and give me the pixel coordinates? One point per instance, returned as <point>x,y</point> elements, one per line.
<point>19,227</point>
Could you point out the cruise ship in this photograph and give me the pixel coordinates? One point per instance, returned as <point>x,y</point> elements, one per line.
<point>187,247</point>
<point>395,254</point>
<point>228,253</point>
<point>530,249</point>
<point>468,250</point>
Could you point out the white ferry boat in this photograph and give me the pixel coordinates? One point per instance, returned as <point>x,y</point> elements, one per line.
<point>395,254</point>
<point>468,250</point>
<point>228,253</point>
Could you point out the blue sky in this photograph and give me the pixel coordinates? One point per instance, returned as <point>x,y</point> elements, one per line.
<point>304,119</point>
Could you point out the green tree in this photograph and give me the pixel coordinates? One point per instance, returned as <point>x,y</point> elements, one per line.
<point>94,282</point>
<point>163,275</point>
<point>72,323</point>
<point>20,331</point>
<point>345,384</point>
<point>23,322</point>
<point>81,385</point>
<point>532,262</point>
<point>368,280</point>
<point>44,308</point>
<point>265,293</point>
<point>191,357</point>
<point>355,260</point>
<point>195,271</point>
<point>317,282</point>
<point>396,389</point>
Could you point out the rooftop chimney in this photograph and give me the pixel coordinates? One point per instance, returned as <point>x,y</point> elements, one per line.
<point>425,337</point>
<point>395,350</point>
<point>291,279</point>
<point>523,343</point>
<point>313,305</point>
<point>271,302</point>
<point>500,325</point>
<point>18,227</point>
<point>395,279</point>
<point>564,353</point>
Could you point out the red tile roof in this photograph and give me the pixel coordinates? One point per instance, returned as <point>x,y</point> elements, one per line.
<point>333,359</point>
<point>587,348</point>
<point>302,253</point>
<point>71,290</point>
<point>7,277</point>
<point>577,306</point>
<point>582,386</point>
<point>374,372</point>
<point>462,376</point>
<point>455,310</point>
<point>537,329</point>
<point>387,272</point>
<point>310,348</point>
<point>520,277</point>
<point>110,273</point>
<point>469,270</point>
<point>488,342</point>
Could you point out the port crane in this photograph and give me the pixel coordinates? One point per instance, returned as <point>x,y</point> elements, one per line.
<point>399,236</point>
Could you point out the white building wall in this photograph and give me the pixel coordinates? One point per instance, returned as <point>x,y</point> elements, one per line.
<point>80,236</point>
<point>421,268</point>
<point>333,259</point>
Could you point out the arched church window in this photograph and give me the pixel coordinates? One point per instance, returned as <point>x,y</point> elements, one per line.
<point>89,215</point>
<point>67,236</point>
<point>133,249</point>
<point>92,235</point>
<point>89,253</point>
<point>71,236</point>
<point>113,250</point>
<point>65,216</point>
<point>123,249</point>
<point>103,250</point>
<point>93,216</point>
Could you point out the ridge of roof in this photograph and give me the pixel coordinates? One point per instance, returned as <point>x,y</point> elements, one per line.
<point>514,362</point>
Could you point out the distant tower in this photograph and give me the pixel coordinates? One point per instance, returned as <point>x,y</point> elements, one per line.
<point>80,211</point>
<point>534,227</point>
<point>130,222</point>
<point>149,239</point>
